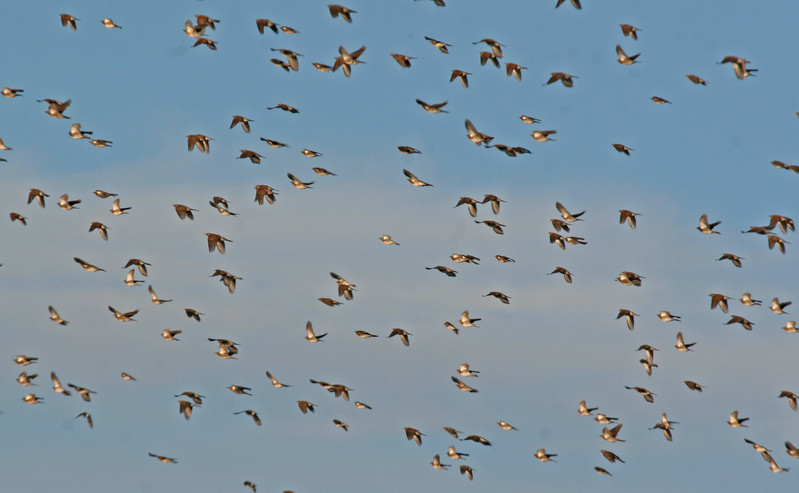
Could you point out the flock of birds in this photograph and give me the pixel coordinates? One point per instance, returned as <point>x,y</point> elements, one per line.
<point>773,230</point>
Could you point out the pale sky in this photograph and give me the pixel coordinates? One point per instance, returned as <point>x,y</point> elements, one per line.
<point>146,88</point>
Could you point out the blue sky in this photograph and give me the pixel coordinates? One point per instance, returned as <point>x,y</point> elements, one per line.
<point>145,88</point>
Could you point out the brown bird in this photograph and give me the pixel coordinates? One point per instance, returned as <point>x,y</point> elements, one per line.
<point>564,78</point>
<point>11,93</point>
<point>252,414</point>
<point>284,107</point>
<point>101,228</point>
<point>432,108</point>
<point>735,259</point>
<point>240,120</point>
<point>624,59</point>
<point>18,217</point>
<point>575,4</point>
<point>32,399</point>
<point>776,240</point>
<point>56,108</point>
<point>623,148</point>
<point>403,335</point>
<point>253,156</point>
<point>515,70</point>
<point>413,180</point>
<point>184,211</point>
<point>706,227</point>
<point>646,394</point>
<point>311,336</point>
<point>567,276</point>
<point>346,60</point>
<point>543,135</point>
<point>475,136</point>
<point>627,278</point>
<point>746,324</point>
<point>460,74</point>
<point>414,434</point>
<point>735,421</point>
<point>444,270</point>
<point>38,195</point>
<point>216,242</point>
<point>467,470</point>
<point>504,298</point>
<point>693,385</point>
<point>777,306</point>
<point>629,30</point>
<point>442,46</point>
<point>681,345</point>
<point>541,454</point>
<point>204,21</point>
<point>665,425</point>
<point>792,398</point>
<point>610,456</point>
<point>262,23</point>
<point>123,317</point>
<point>629,216</point>
<point>200,141</point>
<point>785,223</point>
<point>340,10</point>
<point>85,393</point>
<point>211,44</point>
<point>68,20</point>
<point>629,317</point>
<point>192,313</point>
<point>739,66</point>
<point>265,192</point>
<point>408,150</point>
<point>305,406</point>
<point>329,301</point>
<point>299,185</point>
<point>719,300</point>
<point>87,266</point>
<point>611,434</point>
<point>696,79</point>
<point>100,143</point>
<point>185,408</point>
<point>88,417</point>
<point>163,458</point>
<point>364,334</point>
<point>486,56</point>
<point>462,386</point>
<point>274,143</point>
<point>660,100</point>
<point>494,225</point>
<point>403,60</point>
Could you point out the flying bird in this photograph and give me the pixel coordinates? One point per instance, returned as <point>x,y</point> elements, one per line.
<point>69,21</point>
<point>55,317</point>
<point>413,180</point>
<point>541,454</point>
<point>216,242</point>
<point>87,266</point>
<point>442,46</point>
<point>432,108</point>
<point>706,227</point>
<point>563,77</point>
<point>310,333</point>
<point>629,30</point>
<point>340,10</point>
<point>252,414</point>
<point>624,59</point>
<point>123,317</point>
<point>403,335</point>
<point>735,421</point>
<point>117,210</point>
<point>414,434</point>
